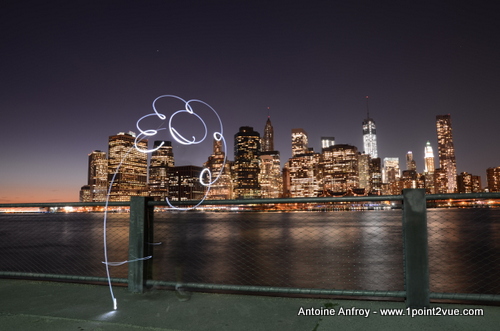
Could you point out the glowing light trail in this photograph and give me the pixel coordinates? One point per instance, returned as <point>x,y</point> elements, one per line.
<point>188,108</point>
<point>217,135</point>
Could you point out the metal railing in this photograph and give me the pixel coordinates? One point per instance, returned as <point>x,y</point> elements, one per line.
<point>382,246</point>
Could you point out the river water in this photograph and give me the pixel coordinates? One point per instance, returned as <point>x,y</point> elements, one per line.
<point>346,250</point>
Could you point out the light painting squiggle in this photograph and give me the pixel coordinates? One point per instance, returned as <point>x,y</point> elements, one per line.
<point>217,135</point>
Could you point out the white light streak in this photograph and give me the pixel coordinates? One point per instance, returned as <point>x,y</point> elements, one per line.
<point>188,108</point>
<point>217,135</point>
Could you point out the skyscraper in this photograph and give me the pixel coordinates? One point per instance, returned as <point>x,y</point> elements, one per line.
<point>369,135</point>
<point>184,183</point>
<point>376,176</point>
<point>85,194</point>
<point>222,188</point>
<point>364,166</point>
<point>429,169</point>
<point>428,159</point>
<point>391,170</point>
<point>340,169</point>
<point>268,139</point>
<point>303,175</point>
<point>327,142</point>
<point>446,151</point>
<point>161,161</point>
<point>299,142</point>
<point>468,183</point>
<point>270,178</point>
<point>127,166</point>
<point>493,179</point>
<point>98,176</point>
<point>247,163</point>
<point>410,162</point>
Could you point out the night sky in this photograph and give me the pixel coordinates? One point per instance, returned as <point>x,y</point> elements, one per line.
<point>75,72</point>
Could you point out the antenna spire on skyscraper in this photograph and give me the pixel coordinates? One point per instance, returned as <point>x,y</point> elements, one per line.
<point>367,108</point>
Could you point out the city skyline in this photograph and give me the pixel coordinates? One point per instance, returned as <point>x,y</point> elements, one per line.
<point>74,73</point>
<point>256,172</point>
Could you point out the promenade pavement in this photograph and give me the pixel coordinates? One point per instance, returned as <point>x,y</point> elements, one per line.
<point>36,305</point>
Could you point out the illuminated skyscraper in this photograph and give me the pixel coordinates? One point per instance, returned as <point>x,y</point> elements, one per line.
<point>428,159</point>
<point>391,171</point>
<point>369,135</point>
<point>268,139</point>
<point>376,176</point>
<point>493,179</point>
<point>468,183</point>
<point>270,178</point>
<point>85,194</point>
<point>302,169</point>
<point>446,151</point>
<point>246,163</point>
<point>429,170</point>
<point>364,166</point>
<point>222,189</point>
<point>161,161</point>
<point>339,168</point>
<point>184,183</point>
<point>127,166</point>
<point>327,142</point>
<point>299,142</point>
<point>410,162</point>
<point>440,181</point>
<point>303,175</point>
<point>409,179</point>
<point>98,176</point>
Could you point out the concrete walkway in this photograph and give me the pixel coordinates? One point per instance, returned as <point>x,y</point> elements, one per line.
<point>31,305</point>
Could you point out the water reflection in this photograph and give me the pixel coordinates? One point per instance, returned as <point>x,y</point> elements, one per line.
<point>317,250</point>
<point>336,250</point>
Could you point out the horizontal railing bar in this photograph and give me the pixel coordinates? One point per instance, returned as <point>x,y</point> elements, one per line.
<point>262,289</point>
<point>61,277</point>
<point>465,296</point>
<point>281,290</point>
<point>202,286</point>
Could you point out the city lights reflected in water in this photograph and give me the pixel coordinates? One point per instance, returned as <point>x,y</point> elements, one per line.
<point>357,250</point>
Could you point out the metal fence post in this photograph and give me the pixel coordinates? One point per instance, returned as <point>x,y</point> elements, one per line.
<point>140,235</point>
<point>415,248</point>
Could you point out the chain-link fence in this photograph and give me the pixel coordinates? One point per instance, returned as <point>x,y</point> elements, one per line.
<point>464,249</point>
<point>62,243</point>
<point>344,250</point>
<point>354,249</point>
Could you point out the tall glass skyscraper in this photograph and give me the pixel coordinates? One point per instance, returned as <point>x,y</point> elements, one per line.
<point>391,171</point>
<point>223,187</point>
<point>446,151</point>
<point>429,159</point>
<point>98,176</point>
<point>127,166</point>
<point>369,135</point>
<point>270,178</point>
<point>268,139</point>
<point>161,161</point>
<point>327,142</point>
<point>299,142</point>
<point>340,170</point>
<point>410,162</point>
<point>247,163</point>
